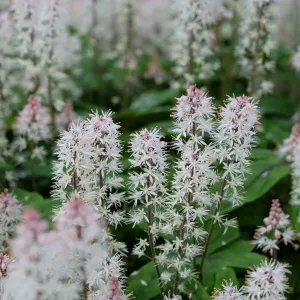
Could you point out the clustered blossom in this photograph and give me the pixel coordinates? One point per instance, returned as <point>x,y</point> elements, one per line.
<point>89,163</point>
<point>256,43</point>
<point>290,144</point>
<point>34,121</point>
<point>295,193</point>
<point>45,48</point>
<point>113,291</point>
<point>276,230</point>
<point>267,281</point>
<point>210,151</point>
<point>147,182</point>
<point>10,215</point>
<point>9,67</point>
<point>5,265</point>
<point>234,138</point>
<point>31,261</point>
<point>193,40</point>
<point>84,237</point>
<point>295,60</point>
<point>194,175</point>
<point>3,139</point>
<point>290,150</point>
<point>228,292</point>
<point>64,263</point>
<point>66,117</point>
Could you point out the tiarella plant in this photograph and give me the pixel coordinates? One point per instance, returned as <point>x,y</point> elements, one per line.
<point>276,230</point>
<point>254,49</point>
<point>267,281</point>
<point>88,164</point>
<point>136,204</point>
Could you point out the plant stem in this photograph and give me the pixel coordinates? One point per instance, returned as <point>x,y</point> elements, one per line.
<point>128,53</point>
<point>74,174</point>
<point>51,106</point>
<point>151,241</point>
<point>82,269</point>
<point>31,148</point>
<point>185,218</point>
<point>191,54</point>
<point>211,227</point>
<point>274,256</point>
<point>252,86</point>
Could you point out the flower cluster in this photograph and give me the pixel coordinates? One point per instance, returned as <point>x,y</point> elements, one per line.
<point>256,43</point>
<point>295,60</point>
<point>276,230</point>
<point>66,117</point>
<point>10,215</point>
<point>3,139</point>
<point>87,256</point>
<point>113,291</point>
<point>234,138</point>
<point>89,163</point>
<point>45,48</point>
<point>34,121</point>
<point>67,262</point>
<point>210,151</point>
<point>147,184</point>
<point>194,175</point>
<point>228,292</point>
<point>9,68</point>
<point>289,145</point>
<point>295,193</point>
<point>5,265</point>
<point>192,40</point>
<point>31,261</point>
<point>267,281</point>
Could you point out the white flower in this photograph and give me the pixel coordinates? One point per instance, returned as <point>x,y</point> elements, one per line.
<point>89,162</point>
<point>228,292</point>
<point>268,281</point>
<point>234,138</point>
<point>192,41</point>
<point>295,61</point>
<point>277,229</point>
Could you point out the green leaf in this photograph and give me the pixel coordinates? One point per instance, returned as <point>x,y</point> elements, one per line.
<point>152,99</point>
<point>219,239</point>
<point>236,255</point>
<point>164,126</point>
<point>263,178</point>
<point>196,290</point>
<point>264,154</point>
<point>35,200</point>
<point>276,129</point>
<point>275,105</point>
<point>5,165</point>
<point>295,213</point>
<point>227,274</point>
<point>144,283</point>
<point>265,173</point>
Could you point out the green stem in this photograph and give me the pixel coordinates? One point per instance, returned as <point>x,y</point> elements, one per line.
<point>151,242</point>
<point>175,290</point>
<point>256,53</point>
<point>74,174</point>
<point>31,163</point>
<point>211,228</point>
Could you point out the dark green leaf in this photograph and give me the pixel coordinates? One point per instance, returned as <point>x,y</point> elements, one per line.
<point>144,283</point>
<point>227,274</point>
